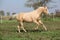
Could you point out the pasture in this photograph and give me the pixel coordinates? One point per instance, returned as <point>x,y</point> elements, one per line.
<point>8,30</point>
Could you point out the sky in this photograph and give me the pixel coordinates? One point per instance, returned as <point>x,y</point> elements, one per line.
<point>14,6</point>
<point>19,6</point>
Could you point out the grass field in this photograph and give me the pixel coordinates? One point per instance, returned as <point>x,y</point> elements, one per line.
<point>8,31</point>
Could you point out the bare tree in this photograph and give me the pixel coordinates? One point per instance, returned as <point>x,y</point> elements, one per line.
<point>1,14</point>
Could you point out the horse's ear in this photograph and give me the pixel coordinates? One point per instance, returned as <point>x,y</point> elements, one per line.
<point>44,5</point>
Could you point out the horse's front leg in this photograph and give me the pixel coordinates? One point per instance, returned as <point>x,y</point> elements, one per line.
<point>42,24</point>
<point>37,24</point>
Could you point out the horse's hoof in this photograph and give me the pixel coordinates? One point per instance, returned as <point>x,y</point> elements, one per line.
<point>36,29</point>
<point>25,31</point>
<point>46,30</point>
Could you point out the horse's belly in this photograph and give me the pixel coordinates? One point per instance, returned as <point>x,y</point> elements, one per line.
<point>27,19</point>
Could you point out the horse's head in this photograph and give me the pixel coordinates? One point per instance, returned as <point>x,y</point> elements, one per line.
<point>45,10</point>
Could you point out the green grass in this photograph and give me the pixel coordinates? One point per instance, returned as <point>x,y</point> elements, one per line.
<point>8,31</point>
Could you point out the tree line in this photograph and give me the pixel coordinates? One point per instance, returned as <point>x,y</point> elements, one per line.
<point>2,13</point>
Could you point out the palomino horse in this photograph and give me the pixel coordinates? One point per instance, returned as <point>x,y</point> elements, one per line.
<point>33,16</point>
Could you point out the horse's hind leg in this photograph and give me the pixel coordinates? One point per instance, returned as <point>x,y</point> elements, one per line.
<point>42,24</point>
<point>22,26</point>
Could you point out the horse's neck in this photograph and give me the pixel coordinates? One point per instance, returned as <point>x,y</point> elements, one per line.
<point>39,11</point>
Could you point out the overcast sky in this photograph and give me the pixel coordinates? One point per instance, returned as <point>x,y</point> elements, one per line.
<point>19,6</point>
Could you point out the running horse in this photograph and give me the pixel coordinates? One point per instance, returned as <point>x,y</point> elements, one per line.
<point>33,16</point>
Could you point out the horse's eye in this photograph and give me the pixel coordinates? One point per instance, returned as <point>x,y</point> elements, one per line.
<point>46,9</point>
